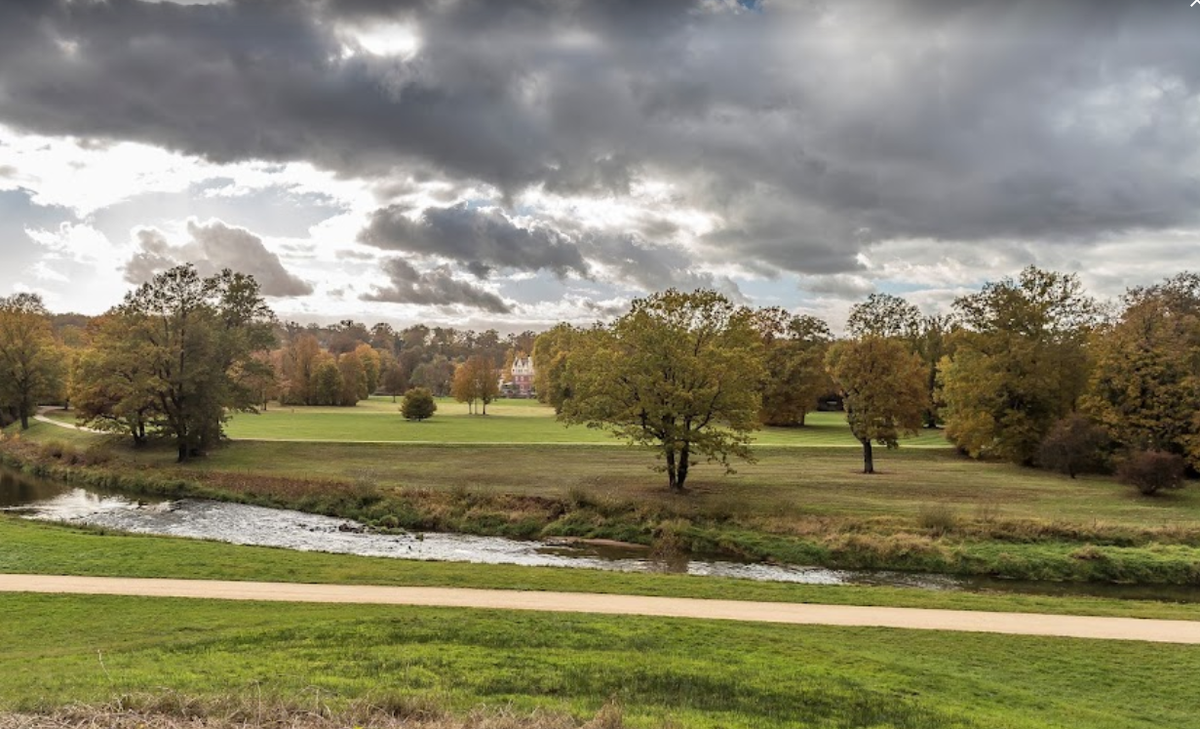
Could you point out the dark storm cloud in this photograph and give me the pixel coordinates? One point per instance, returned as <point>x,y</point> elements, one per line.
<point>811,130</point>
<point>437,287</point>
<point>479,239</point>
<point>212,247</point>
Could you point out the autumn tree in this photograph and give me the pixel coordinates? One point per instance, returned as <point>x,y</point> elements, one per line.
<point>882,383</point>
<point>299,366</point>
<point>679,373</point>
<point>1145,387</point>
<point>464,387</point>
<point>354,379</point>
<point>1019,363</point>
<point>114,386</point>
<point>418,404</point>
<point>476,380</point>
<point>30,364</point>
<point>487,379</point>
<point>372,364</point>
<point>392,378</point>
<point>550,352</point>
<point>893,317</point>
<point>796,377</point>
<point>197,334</point>
<point>328,384</point>
<point>886,316</point>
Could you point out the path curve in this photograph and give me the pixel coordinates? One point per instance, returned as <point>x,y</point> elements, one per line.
<point>41,418</point>
<point>1069,626</point>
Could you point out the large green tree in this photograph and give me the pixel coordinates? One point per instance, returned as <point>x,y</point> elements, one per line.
<point>1019,363</point>
<point>679,373</point>
<point>884,390</point>
<point>795,366</point>
<point>1145,387</point>
<point>198,337</point>
<point>31,365</point>
<point>550,352</point>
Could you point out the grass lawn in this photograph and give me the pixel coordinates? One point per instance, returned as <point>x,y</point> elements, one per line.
<point>784,483</point>
<point>694,673</point>
<point>507,421</point>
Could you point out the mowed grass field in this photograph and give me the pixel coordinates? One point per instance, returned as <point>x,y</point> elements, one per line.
<point>692,673</point>
<point>507,421</point>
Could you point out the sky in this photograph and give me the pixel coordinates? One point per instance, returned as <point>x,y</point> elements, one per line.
<point>513,164</point>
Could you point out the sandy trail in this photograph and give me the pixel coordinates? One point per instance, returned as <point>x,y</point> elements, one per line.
<point>41,418</point>
<point>1159,631</point>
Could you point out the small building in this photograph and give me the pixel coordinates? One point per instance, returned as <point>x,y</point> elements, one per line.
<point>522,377</point>
<point>518,381</point>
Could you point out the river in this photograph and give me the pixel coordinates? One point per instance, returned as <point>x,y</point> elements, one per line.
<point>32,498</point>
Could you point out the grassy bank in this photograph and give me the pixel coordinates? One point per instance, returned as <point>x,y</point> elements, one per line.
<point>39,548</point>
<point>931,510</point>
<point>692,673</point>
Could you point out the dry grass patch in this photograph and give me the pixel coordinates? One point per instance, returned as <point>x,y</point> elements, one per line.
<point>173,711</point>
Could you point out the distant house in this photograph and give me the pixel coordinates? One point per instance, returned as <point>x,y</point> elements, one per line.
<point>519,382</point>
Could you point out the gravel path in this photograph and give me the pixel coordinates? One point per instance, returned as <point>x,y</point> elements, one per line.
<point>1160,631</point>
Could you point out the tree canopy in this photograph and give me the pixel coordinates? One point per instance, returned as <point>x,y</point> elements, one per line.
<point>1145,383</point>
<point>31,365</point>
<point>194,341</point>
<point>883,388</point>
<point>796,377</point>
<point>1019,363</point>
<point>679,373</point>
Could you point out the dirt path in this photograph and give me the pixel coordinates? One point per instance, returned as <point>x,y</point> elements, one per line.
<point>1159,631</point>
<point>41,418</point>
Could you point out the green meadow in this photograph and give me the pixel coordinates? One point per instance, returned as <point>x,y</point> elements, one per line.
<point>506,422</point>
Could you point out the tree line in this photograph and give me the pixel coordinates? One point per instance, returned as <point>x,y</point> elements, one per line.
<point>1030,369</point>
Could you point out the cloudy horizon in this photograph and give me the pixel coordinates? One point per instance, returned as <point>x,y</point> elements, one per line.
<point>510,165</point>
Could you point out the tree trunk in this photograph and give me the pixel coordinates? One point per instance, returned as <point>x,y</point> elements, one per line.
<point>24,420</point>
<point>183,452</point>
<point>802,416</point>
<point>672,473</point>
<point>684,463</point>
<point>868,456</point>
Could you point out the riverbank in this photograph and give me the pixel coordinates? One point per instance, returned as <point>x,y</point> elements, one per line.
<point>765,526</point>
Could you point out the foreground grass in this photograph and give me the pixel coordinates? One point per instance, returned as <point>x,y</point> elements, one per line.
<point>694,673</point>
<point>41,548</point>
<point>176,711</point>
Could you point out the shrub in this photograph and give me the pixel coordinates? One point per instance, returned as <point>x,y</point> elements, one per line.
<point>418,404</point>
<point>937,518</point>
<point>1074,445</point>
<point>1151,471</point>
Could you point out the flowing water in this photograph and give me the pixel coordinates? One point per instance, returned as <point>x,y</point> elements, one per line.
<point>254,525</point>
